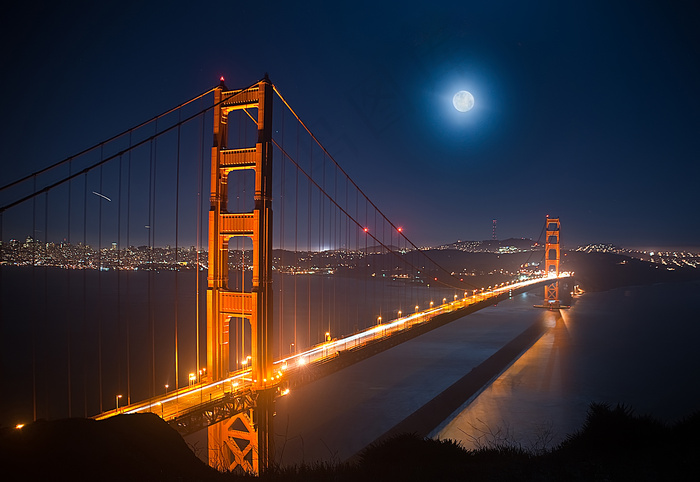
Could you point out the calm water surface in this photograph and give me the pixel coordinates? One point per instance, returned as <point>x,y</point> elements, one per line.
<point>634,345</point>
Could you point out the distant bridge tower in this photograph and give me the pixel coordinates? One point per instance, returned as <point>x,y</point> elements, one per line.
<point>245,439</point>
<point>551,261</point>
<point>495,238</point>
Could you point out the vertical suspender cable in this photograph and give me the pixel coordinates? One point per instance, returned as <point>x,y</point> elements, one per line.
<point>99,289</point>
<point>376,268</point>
<point>44,304</point>
<point>177,267</point>
<point>199,207</point>
<point>150,269</point>
<point>360,260</point>
<point>321,232</point>
<point>119,272</point>
<point>34,334</point>
<point>85,317</point>
<point>128,272</point>
<point>336,240</point>
<point>349,252</point>
<point>308,241</point>
<point>296,241</point>
<point>68,277</point>
<point>153,247</point>
<point>367,267</point>
<point>280,276</point>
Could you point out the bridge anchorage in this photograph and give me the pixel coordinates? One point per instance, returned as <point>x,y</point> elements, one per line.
<point>552,256</point>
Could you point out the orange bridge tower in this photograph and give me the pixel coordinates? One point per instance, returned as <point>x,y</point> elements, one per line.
<point>552,256</point>
<point>244,440</point>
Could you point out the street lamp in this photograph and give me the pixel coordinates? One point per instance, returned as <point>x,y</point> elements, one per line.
<point>291,348</point>
<point>161,409</point>
<point>379,320</point>
<point>192,378</point>
<point>166,388</point>
<point>328,336</point>
<point>116,400</point>
<point>399,313</point>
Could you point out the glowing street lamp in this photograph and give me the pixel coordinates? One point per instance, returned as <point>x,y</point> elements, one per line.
<point>399,313</point>
<point>166,388</point>
<point>116,400</point>
<point>192,379</point>
<point>328,336</point>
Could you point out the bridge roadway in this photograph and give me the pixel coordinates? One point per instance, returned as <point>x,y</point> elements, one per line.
<point>192,408</point>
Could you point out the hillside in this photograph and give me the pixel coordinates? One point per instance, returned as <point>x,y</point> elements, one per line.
<point>604,271</point>
<point>613,444</point>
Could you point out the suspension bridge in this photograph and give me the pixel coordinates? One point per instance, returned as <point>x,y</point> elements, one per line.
<point>115,304</point>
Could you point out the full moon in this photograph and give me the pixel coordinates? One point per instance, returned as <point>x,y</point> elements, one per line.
<point>463,101</point>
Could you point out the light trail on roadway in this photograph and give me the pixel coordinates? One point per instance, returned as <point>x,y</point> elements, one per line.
<point>171,405</point>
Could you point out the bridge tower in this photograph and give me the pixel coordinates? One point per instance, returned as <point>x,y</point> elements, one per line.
<point>551,261</point>
<point>245,439</point>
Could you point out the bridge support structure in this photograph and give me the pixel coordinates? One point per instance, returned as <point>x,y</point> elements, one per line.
<point>552,256</point>
<point>244,440</point>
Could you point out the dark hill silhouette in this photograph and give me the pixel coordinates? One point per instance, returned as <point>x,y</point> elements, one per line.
<point>604,271</point>
<point>614,444</point>
<point>125,447</point>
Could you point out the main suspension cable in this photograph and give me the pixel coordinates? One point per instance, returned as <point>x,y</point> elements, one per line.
<point>102,143</point>
<point>362,192</point>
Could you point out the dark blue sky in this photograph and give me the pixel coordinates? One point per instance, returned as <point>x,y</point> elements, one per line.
<point>587,110</point>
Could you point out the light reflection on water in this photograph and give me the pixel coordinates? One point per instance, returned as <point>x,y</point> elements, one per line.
<point>633,346</point>
<point>541,372</point>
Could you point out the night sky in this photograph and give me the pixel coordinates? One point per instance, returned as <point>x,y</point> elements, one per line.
<point>586,110</point>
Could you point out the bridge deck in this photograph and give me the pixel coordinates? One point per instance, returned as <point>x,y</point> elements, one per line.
<point>194,407</point>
